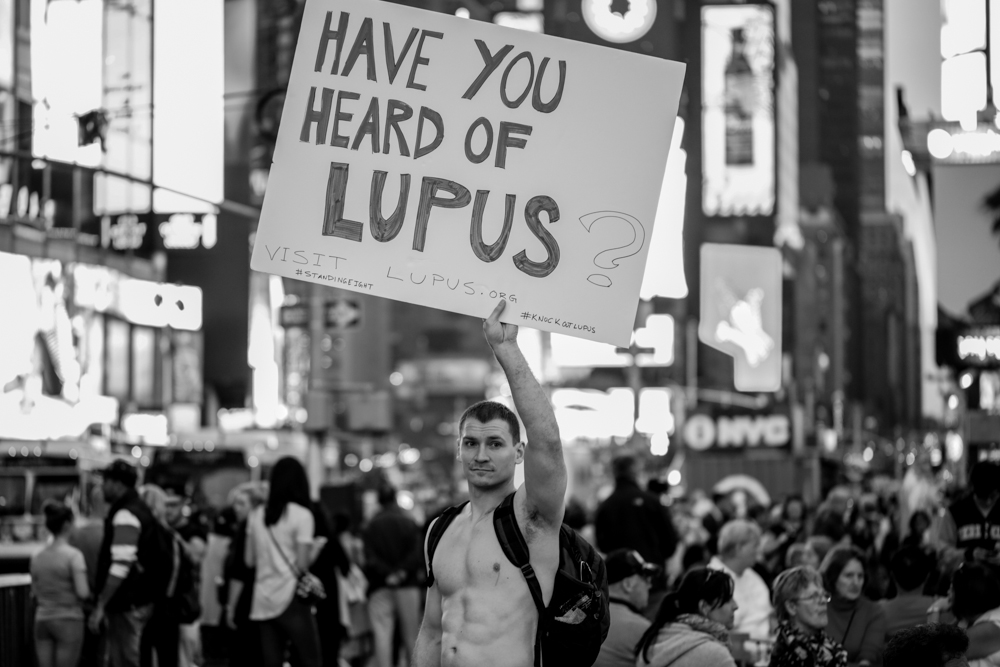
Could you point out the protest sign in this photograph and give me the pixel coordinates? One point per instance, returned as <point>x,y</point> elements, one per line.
<point>450,163</point>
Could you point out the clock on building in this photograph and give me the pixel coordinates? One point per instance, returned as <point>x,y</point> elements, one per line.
<point>619,21</point>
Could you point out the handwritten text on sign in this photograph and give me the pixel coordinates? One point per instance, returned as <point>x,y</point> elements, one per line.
<point>411,142</point>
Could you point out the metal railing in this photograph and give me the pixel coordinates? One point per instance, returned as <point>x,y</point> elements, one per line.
<point>16,620</point>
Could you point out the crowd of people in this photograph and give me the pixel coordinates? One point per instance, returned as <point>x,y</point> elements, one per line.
<point>842,584</point>
<point>691,582</point>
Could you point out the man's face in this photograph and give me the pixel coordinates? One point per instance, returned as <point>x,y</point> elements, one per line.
<point>639,591</point>
<point>112,489</point>
<point>173,507</point>
<point>488,453</point>
<point>987,498</point>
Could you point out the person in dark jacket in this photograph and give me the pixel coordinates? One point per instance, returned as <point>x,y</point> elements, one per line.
<point>631,518</point>
<point>331,559</point>
<point>124,599</point>
<point>393,562</point>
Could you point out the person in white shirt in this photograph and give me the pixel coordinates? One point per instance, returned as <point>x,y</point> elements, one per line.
<point>739,541</point>
<point>280,546</point>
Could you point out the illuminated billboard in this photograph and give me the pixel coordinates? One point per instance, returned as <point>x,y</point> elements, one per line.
<point>737,83</point>
<point>741,311</point>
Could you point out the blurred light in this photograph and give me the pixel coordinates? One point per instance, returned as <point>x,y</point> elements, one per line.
<point>387,460</point>
<point>659,444</point>
<point>405,500</point>
<point>908,164</point>
<point>674,477</point>
<point>396,379</point>
<point>253,462</point>
<point>365,465</point>
<point>73,454</point>
<point>532,22</point>
<point>868,454</point>
<point>953,402</point>
<point>351,460</point>
<point>655,415</point>
<point>939,143</point>
<point>462,13</point>
<point>137,452</point>
<point>954,446</point>
<point>409,456</point>
<point>963,85</point>
<point>144,461</point>
<point>189,120</point>
<point>910,458</point>
<point>963,27</point>
<point>970,122</point>
<point>965,381</point>
<point>936,457</point>
<point>664,276</point>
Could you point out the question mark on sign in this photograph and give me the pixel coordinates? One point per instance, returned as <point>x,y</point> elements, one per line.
<point>630,228</point>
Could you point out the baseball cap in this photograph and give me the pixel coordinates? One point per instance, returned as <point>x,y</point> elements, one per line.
<point>121,471</point>
<point>623,563</point>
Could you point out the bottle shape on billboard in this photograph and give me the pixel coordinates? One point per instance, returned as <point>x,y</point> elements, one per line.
<point>739,106</point>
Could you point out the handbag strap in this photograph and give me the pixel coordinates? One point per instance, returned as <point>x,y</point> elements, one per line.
<point>281,551</point>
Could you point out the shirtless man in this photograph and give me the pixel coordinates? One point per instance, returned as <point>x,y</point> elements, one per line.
<point>479,611</point>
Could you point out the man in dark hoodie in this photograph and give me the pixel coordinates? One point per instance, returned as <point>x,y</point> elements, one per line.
<point>631,518</point>
<point>393,561</point>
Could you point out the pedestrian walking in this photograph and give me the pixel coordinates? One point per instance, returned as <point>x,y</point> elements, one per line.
<point>59,585</point>
<point>280,546</point>
<point>129,576</point>
<point>244,637</point>
<point>393,561</point>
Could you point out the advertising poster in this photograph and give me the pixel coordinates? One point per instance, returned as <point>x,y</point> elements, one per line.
<point>741,311</point>
<point>737,82</point>
<point>451,163</point>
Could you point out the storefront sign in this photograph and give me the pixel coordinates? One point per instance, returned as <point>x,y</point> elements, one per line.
<point>451,163</point>
<point>702,432</point>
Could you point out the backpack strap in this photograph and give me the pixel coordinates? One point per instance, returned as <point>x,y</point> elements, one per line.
<point>437,528</point>
<point>516,549</point>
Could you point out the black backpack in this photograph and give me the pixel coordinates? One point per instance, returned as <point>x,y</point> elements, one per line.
<point>155,560</point>
<point>576,622</point>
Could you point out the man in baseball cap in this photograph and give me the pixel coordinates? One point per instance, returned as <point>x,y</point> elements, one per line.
<point>124,598</point>
<point>629,577</point>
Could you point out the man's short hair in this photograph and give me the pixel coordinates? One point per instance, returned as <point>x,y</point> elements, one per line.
<point>930,645</point>
<point>910,567</point>
<point>624,466</point>
<point>121,471</point>
<point>984,478</point>
<point>487,411</point>
<point>735,534</point>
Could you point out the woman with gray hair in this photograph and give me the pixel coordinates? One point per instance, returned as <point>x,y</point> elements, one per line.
<point>800,603</point>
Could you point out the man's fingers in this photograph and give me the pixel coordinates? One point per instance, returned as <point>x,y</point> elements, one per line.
<point>495,315</point>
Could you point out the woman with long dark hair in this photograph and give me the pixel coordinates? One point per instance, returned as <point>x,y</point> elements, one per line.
<point>59,584</point>
<point>691,628</point>
<point>280,546</point>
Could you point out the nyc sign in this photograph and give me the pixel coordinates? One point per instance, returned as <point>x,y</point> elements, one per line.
<point>702,432</point>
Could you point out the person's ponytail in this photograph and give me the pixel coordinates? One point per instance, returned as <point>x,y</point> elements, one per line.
<point>699,584</point>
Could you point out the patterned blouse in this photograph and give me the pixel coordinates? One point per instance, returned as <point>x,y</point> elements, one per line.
<point>795,649</point>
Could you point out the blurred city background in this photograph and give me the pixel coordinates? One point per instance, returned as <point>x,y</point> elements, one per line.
<point>857,141</point>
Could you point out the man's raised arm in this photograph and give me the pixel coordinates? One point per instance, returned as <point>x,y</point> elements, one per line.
<point>544,467</point>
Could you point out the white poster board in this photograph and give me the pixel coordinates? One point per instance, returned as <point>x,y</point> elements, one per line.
<point>450,163</point>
